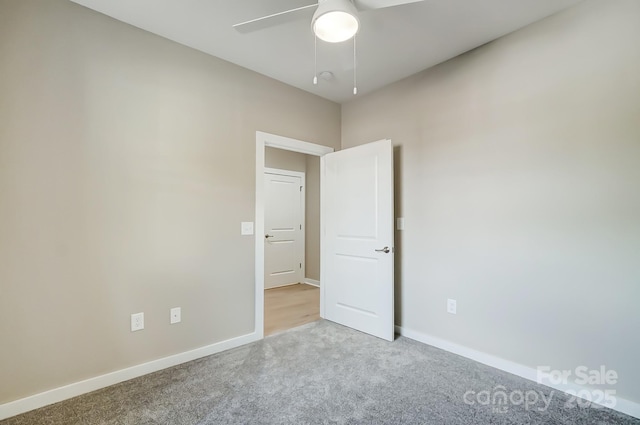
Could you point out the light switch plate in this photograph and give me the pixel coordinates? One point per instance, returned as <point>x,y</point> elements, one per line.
<point>400,223</point>
<point>246,228</point>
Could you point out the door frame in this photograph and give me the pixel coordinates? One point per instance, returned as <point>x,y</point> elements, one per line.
<point>303,197</point>
<point>264,140</point>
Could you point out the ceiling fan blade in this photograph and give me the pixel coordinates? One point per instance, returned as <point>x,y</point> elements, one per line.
<point>275,19</point>
<point>379,4</point>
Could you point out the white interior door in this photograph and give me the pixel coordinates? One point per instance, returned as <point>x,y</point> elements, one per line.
<point>357,254</point>
<point>283,223</point>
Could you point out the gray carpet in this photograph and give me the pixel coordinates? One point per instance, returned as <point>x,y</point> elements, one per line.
<point>320,373</point>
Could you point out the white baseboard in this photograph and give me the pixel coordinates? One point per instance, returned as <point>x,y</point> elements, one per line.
<point>56,395</point>
<point>282,286</point>
<point>622,405</point>
<point>312,282</point>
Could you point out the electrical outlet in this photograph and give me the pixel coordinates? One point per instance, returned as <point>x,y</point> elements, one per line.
<point>451,306</point>
<point>137,322</point>
<point>176,315</point>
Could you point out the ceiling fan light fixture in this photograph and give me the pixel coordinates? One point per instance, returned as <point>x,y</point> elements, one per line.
<point>335,21</point>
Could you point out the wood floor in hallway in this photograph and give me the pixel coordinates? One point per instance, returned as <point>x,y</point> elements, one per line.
<point>290,306</point>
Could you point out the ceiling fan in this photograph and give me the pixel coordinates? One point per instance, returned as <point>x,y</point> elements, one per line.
<point>333,21</point>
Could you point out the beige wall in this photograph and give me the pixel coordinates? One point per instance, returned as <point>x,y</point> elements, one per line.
<point>310,165</point>
<point>126,166</point>
<point>285,160</point>
<point>519,167</point>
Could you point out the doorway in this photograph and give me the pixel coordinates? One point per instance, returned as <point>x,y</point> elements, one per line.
<point>291,297</point>
<point>303,294</point>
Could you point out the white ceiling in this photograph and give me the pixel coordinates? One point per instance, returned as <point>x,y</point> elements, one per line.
<point>393,43</point>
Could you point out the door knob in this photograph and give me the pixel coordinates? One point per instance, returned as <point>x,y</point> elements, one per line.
<point>386,250</point>
<point>268,236</point>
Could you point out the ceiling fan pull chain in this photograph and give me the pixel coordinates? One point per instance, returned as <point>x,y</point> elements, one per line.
<point>355,86</point>
<point>315,60</point>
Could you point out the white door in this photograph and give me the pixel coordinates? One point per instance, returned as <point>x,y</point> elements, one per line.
<point>283,223</point>
<point>357,254</point>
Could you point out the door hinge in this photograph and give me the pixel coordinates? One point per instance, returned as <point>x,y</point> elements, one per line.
<point>301,227</point>
<point>300,188</point>
<point>300,265</point>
